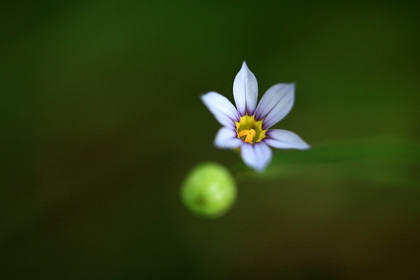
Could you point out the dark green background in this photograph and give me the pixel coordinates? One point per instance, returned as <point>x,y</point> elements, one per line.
<point>101,120</point>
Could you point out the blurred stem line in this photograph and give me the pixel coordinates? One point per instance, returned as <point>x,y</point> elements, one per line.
<point>350,152</point>
<point>381,161</point>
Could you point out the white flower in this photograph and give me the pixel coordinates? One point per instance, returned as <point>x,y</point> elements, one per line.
<point>247,126</point>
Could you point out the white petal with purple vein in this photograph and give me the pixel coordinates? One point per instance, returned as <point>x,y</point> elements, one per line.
<point>226,138</point>
<point>284,139</point>
<point>256,156</point>
<point>245,91</point>
<point>275,104</point>
<point>221,108</point>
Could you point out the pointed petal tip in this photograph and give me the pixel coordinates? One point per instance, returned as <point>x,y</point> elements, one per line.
<point>292,86</point>
<point>260,169</point>
<point>204,95</point>
<point>302,146</point>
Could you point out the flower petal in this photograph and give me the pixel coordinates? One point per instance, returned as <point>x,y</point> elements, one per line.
<point>275,104</point>
<point>227,138</point>
<point>284,139</point>
<point>221,108</point>
<point>245,91</point>
<point>256,156</point>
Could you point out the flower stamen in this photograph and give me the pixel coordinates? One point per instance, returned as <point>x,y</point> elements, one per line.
<point>250,130</point>
<point>249,133</point>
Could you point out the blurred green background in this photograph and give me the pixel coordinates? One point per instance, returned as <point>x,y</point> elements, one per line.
<point>101,120</point>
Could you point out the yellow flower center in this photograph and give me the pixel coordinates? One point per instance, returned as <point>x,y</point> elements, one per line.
<point>250,130</point>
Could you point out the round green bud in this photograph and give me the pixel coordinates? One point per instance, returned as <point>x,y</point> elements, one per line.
<point>209,190</point>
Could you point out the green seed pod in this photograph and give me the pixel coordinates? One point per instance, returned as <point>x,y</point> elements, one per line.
<point>209,190</point>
